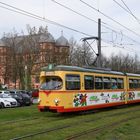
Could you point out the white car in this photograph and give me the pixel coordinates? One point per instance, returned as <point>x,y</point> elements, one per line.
<point>7,101</point>
<point>4,92</point>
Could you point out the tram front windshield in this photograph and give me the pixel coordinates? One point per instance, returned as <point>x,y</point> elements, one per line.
<point>51,83</point>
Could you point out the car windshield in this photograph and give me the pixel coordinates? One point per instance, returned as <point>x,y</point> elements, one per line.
<point>5,96</point>
<point>25,95</point>
<point>6,92</point>
<point>51,83</point>
<point>12,92</point>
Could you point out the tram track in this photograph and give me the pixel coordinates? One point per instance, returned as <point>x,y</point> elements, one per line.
<point>100,128</point>
<point>27,119</point>
<point>16,121</point>
<point>19,123</point>
<point>41,132</point>
<point>82,121</point>
<point>35,118</point>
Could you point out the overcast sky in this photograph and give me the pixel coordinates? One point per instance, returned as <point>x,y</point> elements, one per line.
<point>121,34</point>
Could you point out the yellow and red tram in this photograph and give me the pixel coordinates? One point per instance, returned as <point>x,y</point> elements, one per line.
<point>71,88</point>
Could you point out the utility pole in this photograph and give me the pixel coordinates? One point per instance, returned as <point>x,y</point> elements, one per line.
<point>99,44</point>
<point>98,59</point>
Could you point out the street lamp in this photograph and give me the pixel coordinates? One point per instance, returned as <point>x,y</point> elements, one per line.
<point>26,82</point>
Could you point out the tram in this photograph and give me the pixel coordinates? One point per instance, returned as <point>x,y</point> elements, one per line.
<point>71,88</point>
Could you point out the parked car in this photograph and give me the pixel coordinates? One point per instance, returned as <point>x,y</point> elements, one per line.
<point>4,92</point>
<point>1,105</point>
<point>7,101</point>
<point>26,98</point>
<point>35,95</point>
<point>18,97</point>
<point>22,97</point>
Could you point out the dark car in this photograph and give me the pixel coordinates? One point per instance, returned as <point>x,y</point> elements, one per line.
<point>18,97</point>
<point>26,97</point>
<point>22,98</point>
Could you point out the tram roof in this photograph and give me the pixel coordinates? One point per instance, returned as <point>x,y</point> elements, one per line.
<point>133,74</point>
<point>81,69</point>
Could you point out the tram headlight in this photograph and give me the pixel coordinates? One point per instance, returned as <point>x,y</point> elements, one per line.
<point>56,101</point>
<point>39,100</point>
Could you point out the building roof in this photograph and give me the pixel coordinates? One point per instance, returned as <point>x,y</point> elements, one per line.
<point>46,37</point>
<point>62,41</point>
<point>42,38</point>
<point>2,43</point>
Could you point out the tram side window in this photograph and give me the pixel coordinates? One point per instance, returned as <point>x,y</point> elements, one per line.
<point>72,82</point>
<point>138,83</point>
<point>89,82</point>
<point>114,83</point>
<point>107,83</point>
<point>98,83</point>
<point>135,84</point>
<point>120,83</point>
<point>131,86</point>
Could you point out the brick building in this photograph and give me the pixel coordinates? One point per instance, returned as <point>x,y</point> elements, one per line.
<point>47,50</point>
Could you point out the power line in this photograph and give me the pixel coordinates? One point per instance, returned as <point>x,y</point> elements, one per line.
<point>131,12</point>
<point>127,10</point>
<point>23,12</point>
<point>120,33</point>
<point>121,6</point>
<point>121,46</point>
<point>66,7</point>
<point>110,18</point>
<point>73,11</point>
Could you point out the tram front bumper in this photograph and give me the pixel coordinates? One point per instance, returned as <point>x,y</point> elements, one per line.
<point>50,108</point>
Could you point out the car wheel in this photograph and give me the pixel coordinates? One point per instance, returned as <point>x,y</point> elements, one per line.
<point>1,105</point>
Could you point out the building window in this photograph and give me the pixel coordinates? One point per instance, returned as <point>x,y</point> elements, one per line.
<point>37,79</point>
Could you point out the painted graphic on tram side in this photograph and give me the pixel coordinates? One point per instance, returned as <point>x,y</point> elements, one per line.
<point>131,95</point>
<point>94,98</point>
<point>138,95</point>
<point>84,99</point>
<point>80,100</point>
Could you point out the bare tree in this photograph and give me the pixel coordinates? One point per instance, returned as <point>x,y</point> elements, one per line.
<point>124,63</point>
<point>12,66</point>
<point>30,53</point>
<point>23,54</point>
<point>73,45</point>
<point>80,54</point>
